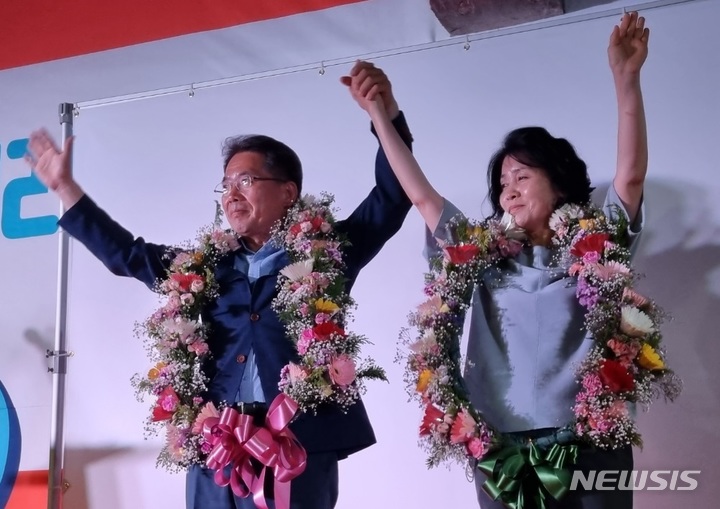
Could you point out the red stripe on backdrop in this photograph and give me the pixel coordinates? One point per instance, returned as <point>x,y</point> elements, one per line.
<point>30,491</point>
<point>33,31</point>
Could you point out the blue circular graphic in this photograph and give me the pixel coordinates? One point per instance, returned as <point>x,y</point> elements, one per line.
<point>9,446</point>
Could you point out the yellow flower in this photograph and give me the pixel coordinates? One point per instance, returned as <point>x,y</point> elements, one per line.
<point>326,306</point>
<point>648,358</point>
<point>475,231</point>
<point>587,224</point>
<point>424,380</point>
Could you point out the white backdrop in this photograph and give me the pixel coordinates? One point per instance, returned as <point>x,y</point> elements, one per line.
<point>152,165</point>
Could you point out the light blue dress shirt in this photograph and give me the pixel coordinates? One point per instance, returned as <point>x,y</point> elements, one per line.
<point>267,260</point>
<point>526,335</point>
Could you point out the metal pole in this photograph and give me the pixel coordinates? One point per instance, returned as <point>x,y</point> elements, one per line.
<point>59,355</point>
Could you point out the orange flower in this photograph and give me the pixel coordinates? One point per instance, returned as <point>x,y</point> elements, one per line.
<point>424,380</point>
<point>155,371</point>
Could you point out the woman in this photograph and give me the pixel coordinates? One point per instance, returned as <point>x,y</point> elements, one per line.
<point>526,332</point>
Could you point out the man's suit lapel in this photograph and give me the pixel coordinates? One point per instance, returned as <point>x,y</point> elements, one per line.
<point>226,271</point>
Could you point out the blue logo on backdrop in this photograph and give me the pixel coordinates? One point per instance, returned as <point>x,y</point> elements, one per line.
<point>12,224</point>
<point>9,446</point>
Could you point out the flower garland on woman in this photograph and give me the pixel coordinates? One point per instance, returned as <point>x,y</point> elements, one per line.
<point>625,365</point>
<point>312,303</point>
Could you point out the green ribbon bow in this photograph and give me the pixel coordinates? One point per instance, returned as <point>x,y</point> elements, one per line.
<point>517,470</point>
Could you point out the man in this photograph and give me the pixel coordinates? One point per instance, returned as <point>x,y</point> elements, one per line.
<point>262,179</point>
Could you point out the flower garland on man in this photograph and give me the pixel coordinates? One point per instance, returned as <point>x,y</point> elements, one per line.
<point>247,344</point>
<point>312,303</point>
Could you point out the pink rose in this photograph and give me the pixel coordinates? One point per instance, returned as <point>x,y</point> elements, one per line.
<point>342,371</point>
<point>173,303</point>
<point>199,347</point>
<point>306,339</point>
<point>591,257</point>
<point>476,447</point>
<point>181,259</point>
<point>321,318</point>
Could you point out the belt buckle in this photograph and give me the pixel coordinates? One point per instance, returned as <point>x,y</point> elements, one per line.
<point>253,409</point>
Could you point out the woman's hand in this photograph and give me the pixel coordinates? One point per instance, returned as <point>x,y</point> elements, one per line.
<point>628,46</point>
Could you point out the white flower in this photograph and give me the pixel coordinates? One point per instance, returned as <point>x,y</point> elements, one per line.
<point>431,307</point>
<point>298,270</point>
<point>557,220</point>
<point>511,229</point>
<point>573,211</point>
<point>635,323</point>
<point>426,343</point>
<point>179,327</point>
<point>562,216</point>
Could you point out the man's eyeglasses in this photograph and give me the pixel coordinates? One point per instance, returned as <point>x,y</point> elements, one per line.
<point>240,183</point>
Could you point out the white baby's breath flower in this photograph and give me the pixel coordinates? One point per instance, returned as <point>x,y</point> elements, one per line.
<point>635,323</point>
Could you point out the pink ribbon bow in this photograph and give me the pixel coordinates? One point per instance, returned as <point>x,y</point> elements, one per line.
<point>236,440</point>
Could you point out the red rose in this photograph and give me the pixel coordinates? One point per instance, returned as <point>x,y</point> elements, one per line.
<point>324,330</point>
<point>462,254</point>
<point>615,376</point>
<point>595,242</point>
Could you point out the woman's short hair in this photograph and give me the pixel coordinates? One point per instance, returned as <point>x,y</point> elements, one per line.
<point>537,148</point>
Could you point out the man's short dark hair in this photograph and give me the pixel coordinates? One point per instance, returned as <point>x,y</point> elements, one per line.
<point>280,160</point>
